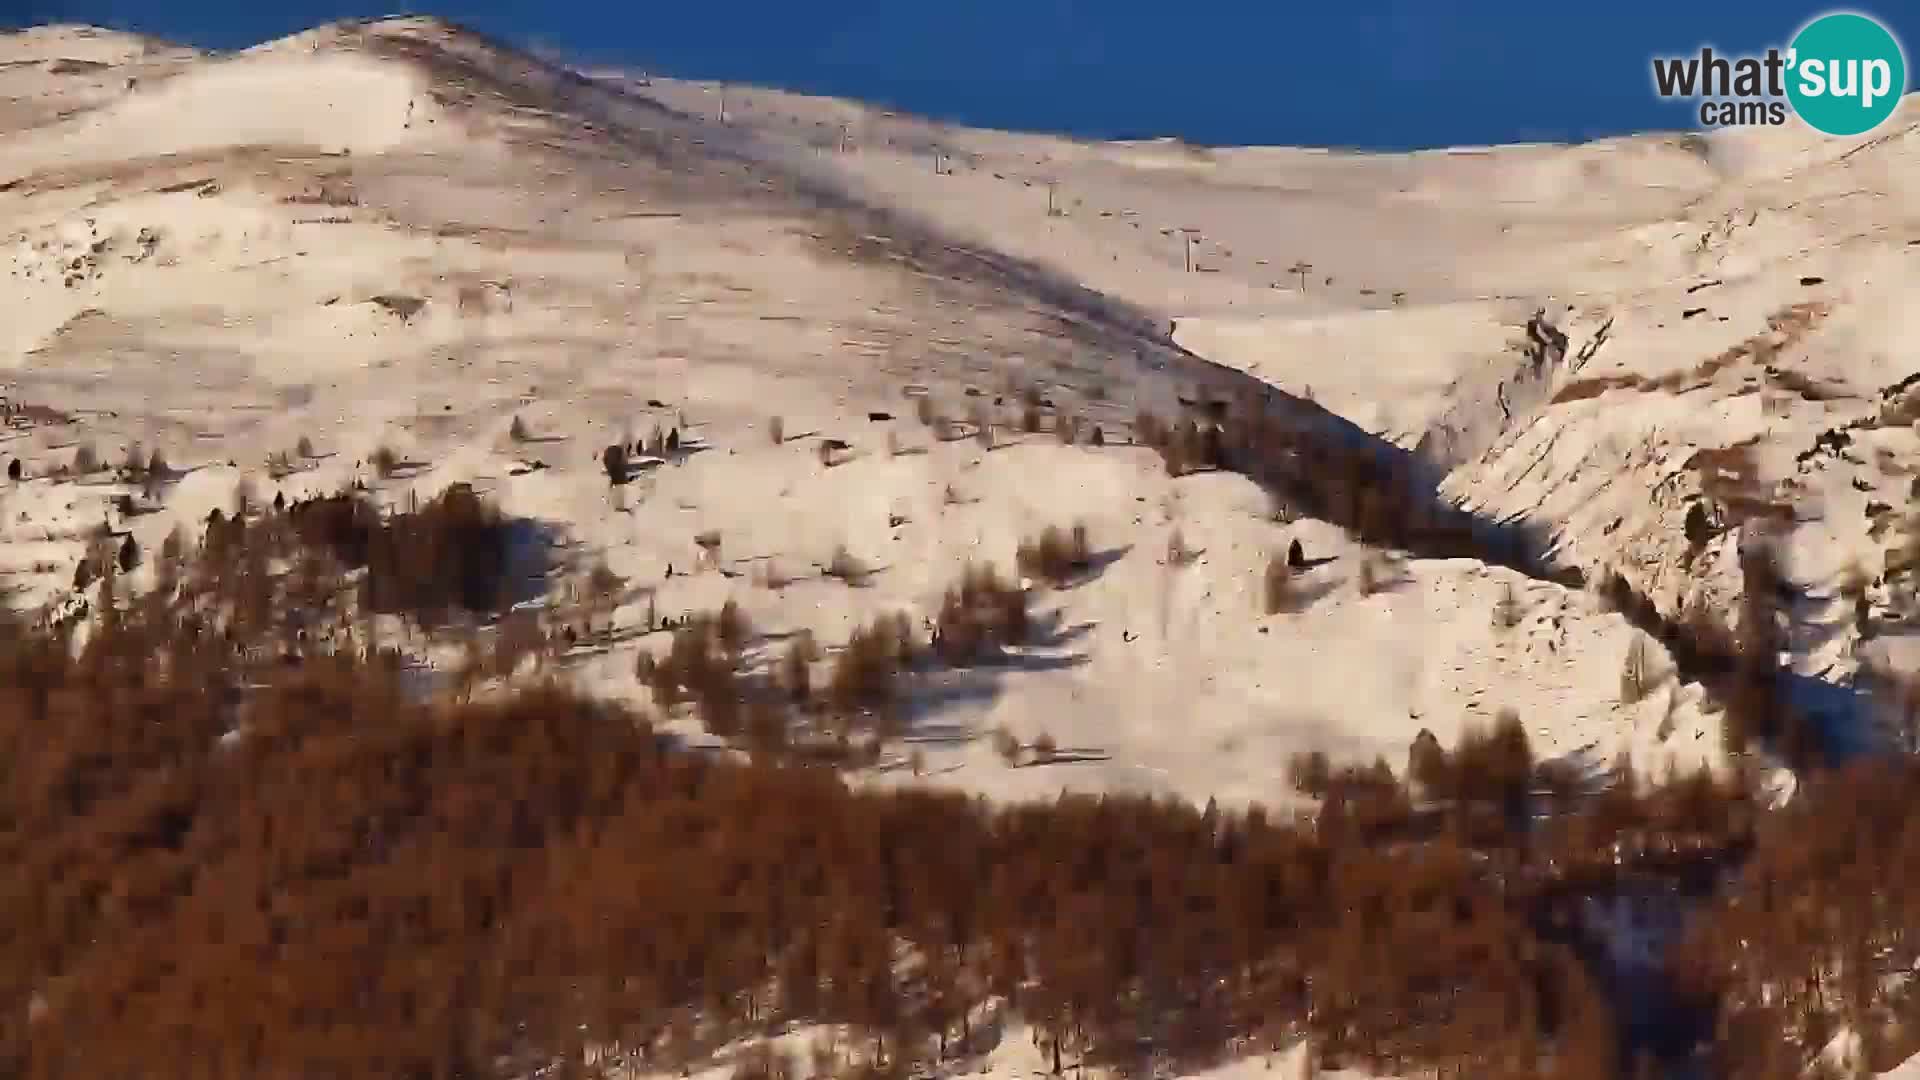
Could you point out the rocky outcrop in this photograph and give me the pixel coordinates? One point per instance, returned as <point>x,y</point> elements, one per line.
<point>1496,401</point>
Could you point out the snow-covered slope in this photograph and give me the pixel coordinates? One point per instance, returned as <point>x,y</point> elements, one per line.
<point>1780,338</point>
<point>403,233</point>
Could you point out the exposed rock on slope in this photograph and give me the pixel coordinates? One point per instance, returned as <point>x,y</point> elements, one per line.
<point>1760,387</point>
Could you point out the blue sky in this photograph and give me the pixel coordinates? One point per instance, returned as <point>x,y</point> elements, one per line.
<point>1376,74</point>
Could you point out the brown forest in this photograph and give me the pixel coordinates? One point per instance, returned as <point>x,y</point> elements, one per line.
<point>241,841</point>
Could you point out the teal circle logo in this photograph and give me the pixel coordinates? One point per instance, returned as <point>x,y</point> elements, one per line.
<point>1846,73</point>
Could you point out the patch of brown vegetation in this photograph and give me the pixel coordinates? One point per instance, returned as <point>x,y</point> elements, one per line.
<point>231,820</point>
<point>1056,556</point>
<point>1787,976</point>
<point>701,666</point>
<point>865,687</point>
<point>452,554</point>
<point>550,871</point>
<point>979,617</point>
